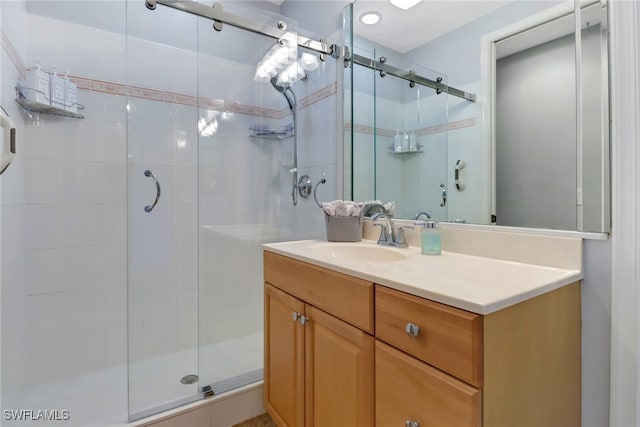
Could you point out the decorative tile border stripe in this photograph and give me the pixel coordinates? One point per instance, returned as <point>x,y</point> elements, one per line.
<point>113,88</point>
<point>369,130</point>
<point>445,127</point>
<point>319,95</point>
<point>13,54</point>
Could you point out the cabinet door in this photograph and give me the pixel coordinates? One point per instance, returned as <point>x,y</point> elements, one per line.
<point>339,372</point>
<point>410,390</point>
<point>284,358</point>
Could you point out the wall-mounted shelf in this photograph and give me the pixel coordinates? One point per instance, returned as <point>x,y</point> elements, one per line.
<point>419,149</point>
<point>38,107</point>
<point>270,134</point>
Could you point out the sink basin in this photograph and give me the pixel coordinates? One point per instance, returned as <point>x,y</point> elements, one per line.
<point>358,252</point>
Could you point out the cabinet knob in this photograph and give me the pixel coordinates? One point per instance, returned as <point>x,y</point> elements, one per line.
<point>304,320</point>
<point>412,330</point>
<point>411,423</point>
<point>295,316</point>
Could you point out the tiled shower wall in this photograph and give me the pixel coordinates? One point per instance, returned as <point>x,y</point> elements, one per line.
<point>66,201</point>
<point>64,218</point>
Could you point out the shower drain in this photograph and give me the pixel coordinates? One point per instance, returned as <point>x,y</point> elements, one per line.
<point>189,379</point>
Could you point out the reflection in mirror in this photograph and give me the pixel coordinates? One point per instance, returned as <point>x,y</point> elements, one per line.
<point>529,153</point>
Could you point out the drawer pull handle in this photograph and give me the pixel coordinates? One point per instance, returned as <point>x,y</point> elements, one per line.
<point>412,330</point>
<point>295,316</point>
<point>411,423</point>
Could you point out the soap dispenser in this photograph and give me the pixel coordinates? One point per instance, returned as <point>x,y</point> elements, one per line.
<point>430,238</point>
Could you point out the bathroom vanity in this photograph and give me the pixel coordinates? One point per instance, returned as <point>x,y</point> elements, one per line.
<point>360,335</point>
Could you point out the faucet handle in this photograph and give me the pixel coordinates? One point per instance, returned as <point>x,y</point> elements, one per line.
<point>401,240</point>
<point>383,232</point>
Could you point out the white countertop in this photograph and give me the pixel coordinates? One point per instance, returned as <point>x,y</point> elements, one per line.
<point>474,283</point>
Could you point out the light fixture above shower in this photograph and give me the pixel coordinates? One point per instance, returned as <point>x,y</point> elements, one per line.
<point>280,57</point>
<point>281,62</point>
<point>404,4</point>
<point>370,18</point>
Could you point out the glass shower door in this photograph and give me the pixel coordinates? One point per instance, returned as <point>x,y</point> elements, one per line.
<point>162,208</point>
<point>206,189</point>
<point>245,138</point>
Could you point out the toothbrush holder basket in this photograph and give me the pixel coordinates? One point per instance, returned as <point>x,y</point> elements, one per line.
<point>343,228</point>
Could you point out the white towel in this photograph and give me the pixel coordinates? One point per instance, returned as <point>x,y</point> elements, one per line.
<point>342,208</point>
<point>388,208</point>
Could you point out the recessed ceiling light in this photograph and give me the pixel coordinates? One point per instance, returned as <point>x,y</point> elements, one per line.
<point>405,4</point>
<point>370,18</point>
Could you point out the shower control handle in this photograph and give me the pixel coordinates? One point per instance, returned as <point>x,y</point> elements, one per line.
<point>444,195</point>
<point>149,208</point>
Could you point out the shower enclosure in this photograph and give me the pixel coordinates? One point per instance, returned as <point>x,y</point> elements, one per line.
<point>131,258</point>
<point>398,151</point>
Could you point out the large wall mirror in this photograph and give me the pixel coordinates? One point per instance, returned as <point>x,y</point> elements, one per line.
<point>480,111</point>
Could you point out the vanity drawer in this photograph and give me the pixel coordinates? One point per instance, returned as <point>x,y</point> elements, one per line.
<point>346,297</point>
<point>407,389</point>
<point>449,338</point>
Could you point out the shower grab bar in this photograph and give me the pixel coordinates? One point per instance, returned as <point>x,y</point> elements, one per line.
<point>219,16</point>
<point>149,208</point>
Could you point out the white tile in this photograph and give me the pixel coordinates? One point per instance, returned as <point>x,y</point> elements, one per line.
<point>115,108</point>
<point>85,352</point>
<point>45,316</point>
<point>115,142</point>
<point>187,331</point>
<point>187,257</point>
<point>46,360</point>
<point>187,148</point>
<point>93,183</point>
<point>187,295</point>
<point>85,140</point>
<point>45,228</point>
<point>47,44</point>
<point>159,145</point>
<point>45,138</point>
<point>83,225</point>
<point>159,336</point>
<point>186,221</point>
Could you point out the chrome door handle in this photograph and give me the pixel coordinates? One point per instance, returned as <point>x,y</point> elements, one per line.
<point>149,208</point>
<point>412,329</point>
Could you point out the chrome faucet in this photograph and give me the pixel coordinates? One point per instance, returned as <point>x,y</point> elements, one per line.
<point>421,213</point>
<point>388,236</point>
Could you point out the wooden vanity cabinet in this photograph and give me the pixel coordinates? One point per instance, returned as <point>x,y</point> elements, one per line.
<point>319,368</point>
<point>519,366</point>
<point>429,365</point>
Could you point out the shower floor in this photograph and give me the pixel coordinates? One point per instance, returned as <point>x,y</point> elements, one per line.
<point>100,398</point>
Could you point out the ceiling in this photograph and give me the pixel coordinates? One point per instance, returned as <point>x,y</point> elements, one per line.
<point>404,30</point>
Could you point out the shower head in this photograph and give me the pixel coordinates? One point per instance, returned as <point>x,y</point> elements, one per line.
<point>276,86</point>
<point>285,90</point>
